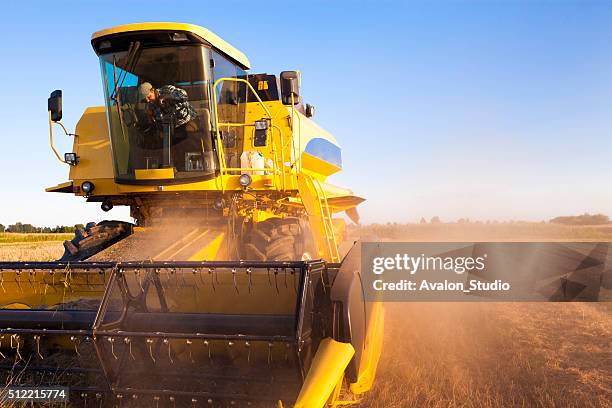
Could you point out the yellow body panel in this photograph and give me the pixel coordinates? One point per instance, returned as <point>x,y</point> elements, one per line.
<point>201,32</point>
<point>154,174</point>
<point>326,371</point>
<point>92,146</point>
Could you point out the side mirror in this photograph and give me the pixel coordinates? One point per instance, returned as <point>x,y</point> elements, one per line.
<point>310,110</point>
<point>54,105</point>
<point>290,85</point>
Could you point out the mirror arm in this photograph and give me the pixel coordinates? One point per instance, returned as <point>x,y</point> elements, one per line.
<point>51,138</point>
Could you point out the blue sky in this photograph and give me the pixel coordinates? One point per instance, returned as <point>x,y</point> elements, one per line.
<point>479,109</point>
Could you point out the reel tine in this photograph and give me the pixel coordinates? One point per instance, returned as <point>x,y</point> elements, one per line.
<point>32,280</point>
<point>111,340</point>
<point>139,278</point>
<point>249,272</point>
<point>294,273</point>
<point>18,356</point>
<point>168,273</point>
<point>2,281</point>
<point>189,343</point>
<point>87,279</point>
<point>167,342</point>
<point>211,272</point>
<point>183,278</point>
<point>76,345</point>
<point>1,354</point>
<point>248,347</point>
<point>150,343</point>
<point>201,277</point>
<point>176,280</point>
<point>270,345</point>
<point>18,280</point>
<point>234,279</point>
<point>128,341</point>
<point>207,344</point>
<point>161,283</point>
<point>230,345</point>
<point>37,339</point>
<point>84,398</point>
<point>276,280</point>
<point>194,272</point>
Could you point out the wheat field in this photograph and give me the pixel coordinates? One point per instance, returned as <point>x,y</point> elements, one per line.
<point>31,247</point>
<point>475,354</point>
<point>493,354</point>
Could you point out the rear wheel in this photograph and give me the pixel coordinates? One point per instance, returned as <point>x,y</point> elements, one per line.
<point>280,239</point>
<point>94,238</point>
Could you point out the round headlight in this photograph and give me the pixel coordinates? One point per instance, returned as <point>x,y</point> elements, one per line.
<point>245,180</point>
<point>87,187</point>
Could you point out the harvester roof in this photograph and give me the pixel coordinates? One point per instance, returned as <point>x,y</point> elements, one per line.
<point>198,33</point>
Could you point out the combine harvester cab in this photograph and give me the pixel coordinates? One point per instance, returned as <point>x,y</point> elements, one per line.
<point>231,288</point>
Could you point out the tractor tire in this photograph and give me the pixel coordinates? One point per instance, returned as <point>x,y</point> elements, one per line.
<point>280,239</point>
<point>94,238</point>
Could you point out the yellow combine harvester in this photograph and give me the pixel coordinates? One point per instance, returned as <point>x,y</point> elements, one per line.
<point>231,288</point>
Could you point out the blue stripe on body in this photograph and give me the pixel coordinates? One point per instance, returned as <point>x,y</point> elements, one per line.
<point>325,150</point>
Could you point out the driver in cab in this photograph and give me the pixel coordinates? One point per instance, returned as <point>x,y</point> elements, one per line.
<point>169,102</point>
<point>169,105</point>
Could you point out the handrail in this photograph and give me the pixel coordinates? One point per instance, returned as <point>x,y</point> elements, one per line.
<point>223,167</point>
<point>297,153</point>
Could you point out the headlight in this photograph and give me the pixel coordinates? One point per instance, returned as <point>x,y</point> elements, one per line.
<point>88,187</point>
<point>261,124</point>
<point>71,158</point>
<point>245,180</point>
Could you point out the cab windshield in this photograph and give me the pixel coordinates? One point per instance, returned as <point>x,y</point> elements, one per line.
<point>158,108</point>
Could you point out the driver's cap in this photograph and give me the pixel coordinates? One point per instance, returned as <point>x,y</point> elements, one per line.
<point>143,90</point>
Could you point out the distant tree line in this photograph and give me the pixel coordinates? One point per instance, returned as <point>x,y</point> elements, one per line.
<point>584,219</point>
<point>31,229</point>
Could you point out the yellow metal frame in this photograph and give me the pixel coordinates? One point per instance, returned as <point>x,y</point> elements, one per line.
<point>326,371</point>
<point>373,349</point>
<point>154,174</point>
<point>207,35</point>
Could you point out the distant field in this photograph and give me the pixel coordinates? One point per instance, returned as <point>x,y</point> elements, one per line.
<point>15,238</point>
<point>32,247</point>
<point>518,231</point>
